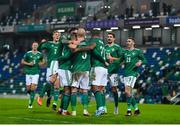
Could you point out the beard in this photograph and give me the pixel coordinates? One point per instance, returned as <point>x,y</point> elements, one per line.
<point>109,42</point>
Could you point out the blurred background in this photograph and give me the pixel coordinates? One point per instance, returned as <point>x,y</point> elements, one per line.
<point>155,25</point>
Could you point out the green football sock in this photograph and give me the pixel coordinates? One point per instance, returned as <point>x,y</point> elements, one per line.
<point>98,98</point>
<point>129,103</point>
<point>103,99</point>
<point>46,87</point>
<point>32,95</point>
<point>115,95</point>
<point>56,95</point>
<point>85,100</point>
<point>73,101</point>
<point>62,101</point>
<point>66,101</point>
<point>134,104</point>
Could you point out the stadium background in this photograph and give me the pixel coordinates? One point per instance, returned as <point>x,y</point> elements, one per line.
<point>155,25</point>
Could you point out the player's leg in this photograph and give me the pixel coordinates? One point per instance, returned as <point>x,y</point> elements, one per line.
<point>114,83</point>
<point>103,85</point>
<point>34,83</point>
<point>133,100</point>
<point>128,92</point>
<point>102,90</point>
<point>28,88</point>
<point>96,72</point>
<point>73,99</point>
<point>46,88</point>
<point>74,86</point>
<point>56,82</point>
<point>84,86</point>
<point>65,77</point>
<point>65,100</point>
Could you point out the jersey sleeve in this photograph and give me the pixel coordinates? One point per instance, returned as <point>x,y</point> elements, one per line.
<point>43,46</point>
<point>98,56</point>
<point>25,57</point>
<point>119,51</point>
<point>65,56</point>
<point>142,57</point>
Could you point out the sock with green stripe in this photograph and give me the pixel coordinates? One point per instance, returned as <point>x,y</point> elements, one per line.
<point>56,95</point>
<point>134,104</point>
<point>103,99</point>
<point>98,97</point>
<point>129,103</point>
<point>46,87</point>
<point>32,95</point>
<point>73,101</point>
<point>85,100</point>
<point>66,99</point>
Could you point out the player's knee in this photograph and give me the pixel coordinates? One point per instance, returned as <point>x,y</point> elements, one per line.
<point>114,89</point>
<point>127,92</point>
<point>33,87</point>
<point>84,91</point>
<point>28,87</point>
<point>73,90</point>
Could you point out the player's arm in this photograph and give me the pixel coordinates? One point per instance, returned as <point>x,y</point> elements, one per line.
<point>42,45</point>
<point>119,52</point>
<point>142,59</point>
<point>84,48</point>
<point>65,57</point>
<point>26,63</point>
<point>115,64</point>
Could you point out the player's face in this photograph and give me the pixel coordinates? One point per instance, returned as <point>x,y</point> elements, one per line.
<point>56,36</point>
<point>110,39</point>
<point>130,43</point>
<point>35,46</point>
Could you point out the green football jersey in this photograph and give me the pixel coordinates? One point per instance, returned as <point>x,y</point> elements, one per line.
<point>35,58</point>
<point>130,58</point>
<point>53,50</point>
<point>115,51</point>
<point>65,58</point>
<point>98,55</point>
<point>81,60</point>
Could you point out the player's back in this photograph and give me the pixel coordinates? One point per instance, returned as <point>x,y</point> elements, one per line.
<point>97,53</point>
<point>81,60</point>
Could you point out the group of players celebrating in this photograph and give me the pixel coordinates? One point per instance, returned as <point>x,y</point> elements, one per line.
<point>82,65</point>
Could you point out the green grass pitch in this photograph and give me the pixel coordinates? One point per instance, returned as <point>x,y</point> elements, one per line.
<point>15,111</point>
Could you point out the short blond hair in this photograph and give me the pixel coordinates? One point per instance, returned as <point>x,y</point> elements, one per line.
<point>81,32</point>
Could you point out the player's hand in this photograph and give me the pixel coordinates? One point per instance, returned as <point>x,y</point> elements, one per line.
<point>72,46</point>
<point>106,63</point>
<point>139,63</point>
<point>111,59</point>
<point>43,40</point>
<point>41,64</point>
<point>31,63</point>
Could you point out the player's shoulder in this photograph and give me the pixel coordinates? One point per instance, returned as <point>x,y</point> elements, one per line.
<point>39,52</point>
<point>117,46</point>
<point>137,49</point>
<point>29,52</point>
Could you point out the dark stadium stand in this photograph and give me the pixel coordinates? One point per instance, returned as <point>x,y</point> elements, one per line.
<point>158,80</point>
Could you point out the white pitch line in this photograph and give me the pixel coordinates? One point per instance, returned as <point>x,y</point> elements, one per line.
<point>45,120</point>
